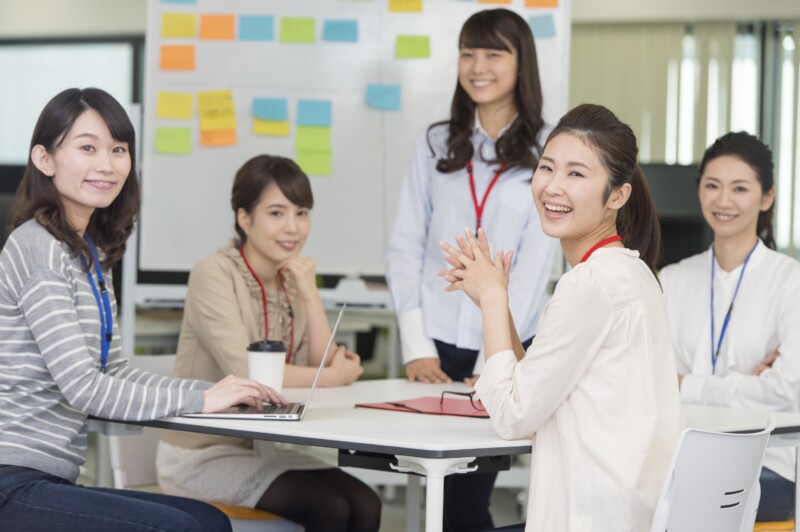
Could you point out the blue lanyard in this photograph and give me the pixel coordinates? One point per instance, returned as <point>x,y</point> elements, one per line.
<point>726,321</point>
<point>103,303</point>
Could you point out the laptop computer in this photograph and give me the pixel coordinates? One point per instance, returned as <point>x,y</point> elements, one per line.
<point>288,412</point>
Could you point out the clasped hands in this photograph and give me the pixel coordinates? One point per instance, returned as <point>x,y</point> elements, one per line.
<point>473,270</point>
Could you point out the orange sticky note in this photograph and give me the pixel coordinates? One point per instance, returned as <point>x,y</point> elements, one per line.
<point>218,137</point>
<point>177,57</point>
<point>541,3</point>
<point>218,27</point>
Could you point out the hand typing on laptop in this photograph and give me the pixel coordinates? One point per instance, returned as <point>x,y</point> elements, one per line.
<point>233,390</point>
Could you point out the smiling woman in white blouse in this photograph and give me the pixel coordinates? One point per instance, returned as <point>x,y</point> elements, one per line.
<point>745,355</point>
<point>596,388</point>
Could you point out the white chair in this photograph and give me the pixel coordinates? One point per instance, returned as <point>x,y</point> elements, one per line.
<point>133,462</point>
<point>712,484</point>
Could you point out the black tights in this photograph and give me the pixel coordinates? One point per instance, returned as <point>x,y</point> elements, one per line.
<point>327,500</point>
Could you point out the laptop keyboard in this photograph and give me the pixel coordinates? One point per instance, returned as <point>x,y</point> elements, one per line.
<point>290,408</point>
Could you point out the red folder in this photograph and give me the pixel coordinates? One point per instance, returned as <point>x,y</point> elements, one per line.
<point>431,405</point>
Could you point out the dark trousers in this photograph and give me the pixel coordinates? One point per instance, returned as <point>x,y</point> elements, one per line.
<point>466,497</point>
<point>777,497</point>
<point>31,500</point>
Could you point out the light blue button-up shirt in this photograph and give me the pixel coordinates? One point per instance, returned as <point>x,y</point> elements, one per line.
<point>434,206</point>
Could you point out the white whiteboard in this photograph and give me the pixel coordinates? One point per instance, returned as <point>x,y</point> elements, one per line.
<point>186,213</point>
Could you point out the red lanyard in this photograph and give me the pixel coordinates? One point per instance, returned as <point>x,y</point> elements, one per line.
<point>479,206</point>
<point>264,303</point>
<point>604,242</point>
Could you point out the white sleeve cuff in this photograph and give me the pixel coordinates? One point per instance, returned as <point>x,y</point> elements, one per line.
<point>414,341</point>
<point>692,389</point>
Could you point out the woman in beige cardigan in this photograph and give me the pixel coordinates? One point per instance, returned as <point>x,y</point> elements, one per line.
<point>258,287</point>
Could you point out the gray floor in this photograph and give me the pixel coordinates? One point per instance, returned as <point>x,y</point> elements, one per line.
<point>505,510</point>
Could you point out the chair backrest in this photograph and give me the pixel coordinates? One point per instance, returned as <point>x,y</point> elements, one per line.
<point>133,458</point>
<point>712,484</point>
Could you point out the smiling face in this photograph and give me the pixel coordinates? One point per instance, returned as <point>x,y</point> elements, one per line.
<point>88,167</point>
<point>276,230</point>
<point>488,76</point>
<point>569,188</point>
<point>731,198</point>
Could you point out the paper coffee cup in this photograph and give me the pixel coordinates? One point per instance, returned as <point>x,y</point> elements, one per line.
<point>266,360</point>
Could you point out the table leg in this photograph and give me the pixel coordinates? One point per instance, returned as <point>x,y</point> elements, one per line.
<point>413,500</point>
<point>434,469</point>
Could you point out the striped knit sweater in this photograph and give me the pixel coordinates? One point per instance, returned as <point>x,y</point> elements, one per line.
<point>49,360</point>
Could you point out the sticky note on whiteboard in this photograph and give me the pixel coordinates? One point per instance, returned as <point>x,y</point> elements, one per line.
<point>177,57</point>
<point>178,24</point>
<point>340,30</point>
<point>275,109</point>
<point>297,30</point>
<point>542,26</point>
<point>174,105</point>
<point>314,113</point>
<point>217,27</point>
<point>405,6</point>
<point>412,46</point>
<point>173,140</point>
<point>314,162</point>
<point>385,97</point>
<point>541,3</point>
<point>256,28</point>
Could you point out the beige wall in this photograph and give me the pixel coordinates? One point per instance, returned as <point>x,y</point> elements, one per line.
<point>682,10</point>
<point>60,18</point>
<point>49,18</point>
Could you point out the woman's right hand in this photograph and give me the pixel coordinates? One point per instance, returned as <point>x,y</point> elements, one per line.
<point>345,366</point>
<point>234,390</point>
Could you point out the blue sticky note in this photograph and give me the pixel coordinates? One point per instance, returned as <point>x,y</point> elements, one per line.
<point>386,97</point>
<point>178,1</point>
<point>340,30</point>
<point>542,26</point>
<point>275,109</point>
<point>313,113</point>
<point>256,28</point>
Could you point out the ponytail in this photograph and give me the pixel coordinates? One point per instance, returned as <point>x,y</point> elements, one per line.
<point>764,228</point>
<point>637,222</point>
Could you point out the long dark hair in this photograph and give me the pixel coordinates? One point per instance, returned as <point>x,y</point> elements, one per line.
<point>256,175</point>
<point>497,29</point>
<point>615,144</point>
<point>757,155</point>
<point>37,197</point>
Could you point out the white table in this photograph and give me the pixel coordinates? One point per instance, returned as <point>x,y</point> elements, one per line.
<point>433,446</point>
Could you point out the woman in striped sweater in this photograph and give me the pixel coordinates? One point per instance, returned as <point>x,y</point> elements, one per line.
<point>60,357</point>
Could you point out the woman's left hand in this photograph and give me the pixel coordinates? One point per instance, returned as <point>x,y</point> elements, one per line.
<point>477,275</point>
<point>304,271</point>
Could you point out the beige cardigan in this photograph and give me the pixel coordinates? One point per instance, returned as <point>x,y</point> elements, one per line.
<point>222,316</point>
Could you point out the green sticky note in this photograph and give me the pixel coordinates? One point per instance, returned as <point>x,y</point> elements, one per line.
<point>174,140</point>
<point>412,46</point>
<point>313,138</point>
<point>297,30</point>
<point>316,162</point>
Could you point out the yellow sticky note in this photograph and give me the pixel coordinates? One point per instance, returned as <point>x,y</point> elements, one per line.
<point>270,127</point>
<point>177,57</point>
<point>314,162</point>
<point>174,105</point>
<point>220,137</point>
<point>218,27</point>
<point>213,104</point>
<point>412,46</point>
<point>173,140</point>
<point>541,3</point>
<point>297,30</point>
<point>314,138</point>
<point>178,25</point>
<point>405,6</point>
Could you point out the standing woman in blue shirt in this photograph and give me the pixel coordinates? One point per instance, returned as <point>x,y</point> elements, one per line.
<point>472,170</point>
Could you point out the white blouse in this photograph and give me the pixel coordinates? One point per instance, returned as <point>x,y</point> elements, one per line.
<point>598,394</point>
<point>766,315</point>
